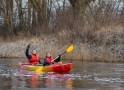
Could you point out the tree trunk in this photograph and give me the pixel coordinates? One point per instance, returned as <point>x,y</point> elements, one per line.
<point>20,14</point>
<point>41,8</point>
<point>80,6</point>
<point>29,15</point>
<point>63,5</point>
<point>50,2</point>
<point>34,18</point>
<point>44,10</point>
<point>9,16</point>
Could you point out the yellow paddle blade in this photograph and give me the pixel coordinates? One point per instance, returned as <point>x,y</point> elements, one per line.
<point>70,48</point>
<point>39,70</point>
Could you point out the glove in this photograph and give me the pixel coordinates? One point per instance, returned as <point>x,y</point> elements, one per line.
<point>28,46</point>
<point>52,61</point>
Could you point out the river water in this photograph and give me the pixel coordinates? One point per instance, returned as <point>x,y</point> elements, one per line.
<point>84,76</point>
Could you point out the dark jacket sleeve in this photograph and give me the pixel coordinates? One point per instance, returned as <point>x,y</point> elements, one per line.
<point>27,54</point>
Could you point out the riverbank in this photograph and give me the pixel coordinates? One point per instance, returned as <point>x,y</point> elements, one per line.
<point>107,46</point>
<point>84,52</point>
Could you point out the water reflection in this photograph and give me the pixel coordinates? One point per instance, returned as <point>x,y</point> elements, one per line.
<point>54,80</point>
<point>34,81</point>
<point>46,80</point>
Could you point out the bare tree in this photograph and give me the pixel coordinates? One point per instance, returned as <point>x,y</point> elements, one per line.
<point>6,7</point>
<point>79,6</point>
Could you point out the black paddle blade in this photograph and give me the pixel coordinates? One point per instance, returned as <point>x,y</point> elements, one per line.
<point>57,59</point>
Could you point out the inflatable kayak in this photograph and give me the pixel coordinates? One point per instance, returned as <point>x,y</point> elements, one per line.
<point>66,67</point>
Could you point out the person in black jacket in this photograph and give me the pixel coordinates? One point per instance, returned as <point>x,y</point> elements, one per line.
<point>50,60</point>
<point>33,58</point>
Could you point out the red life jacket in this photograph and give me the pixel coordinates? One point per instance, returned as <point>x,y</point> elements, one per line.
<point>50,60</point>
<point>34,59</point>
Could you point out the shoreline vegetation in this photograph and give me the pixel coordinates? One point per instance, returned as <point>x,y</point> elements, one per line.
<point>94,27</point>
<point>110,48</point>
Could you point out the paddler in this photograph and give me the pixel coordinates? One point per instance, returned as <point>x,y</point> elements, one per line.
<point>50,60</point>
<point>33,58</point>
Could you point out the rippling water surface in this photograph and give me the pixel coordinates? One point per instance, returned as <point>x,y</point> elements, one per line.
<point>84,76</point>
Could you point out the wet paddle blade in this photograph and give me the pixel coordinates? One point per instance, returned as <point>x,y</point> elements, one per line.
<point>39,70</point>
<point>70,48</point>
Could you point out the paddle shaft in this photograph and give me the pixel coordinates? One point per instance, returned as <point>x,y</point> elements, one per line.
<point>63,53</point>
<point>69,49</point>
<point>27,64</point>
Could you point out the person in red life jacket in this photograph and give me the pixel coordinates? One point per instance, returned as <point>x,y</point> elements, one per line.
<point>33,58</point>
<point>50,60</point>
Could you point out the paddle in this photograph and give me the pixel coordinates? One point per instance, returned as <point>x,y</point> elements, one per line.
<point>39,70</point>
<point>19,65</point>
<point>69,49</point>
